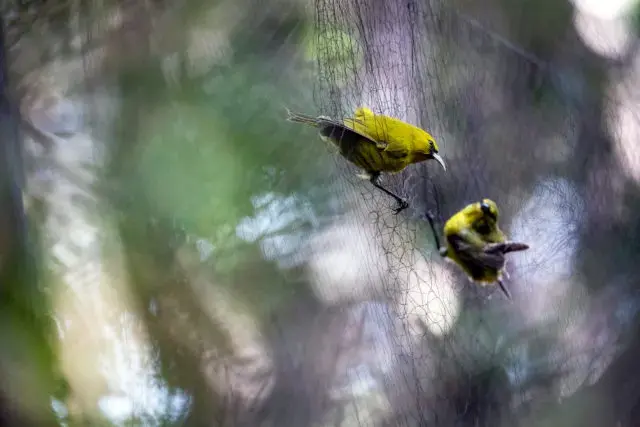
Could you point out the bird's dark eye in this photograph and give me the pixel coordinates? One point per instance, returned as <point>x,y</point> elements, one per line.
<point>486,209</point>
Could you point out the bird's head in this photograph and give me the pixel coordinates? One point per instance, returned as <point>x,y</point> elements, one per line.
<point>489,209</point>
<point>482,215</point>
<point>428,149</point>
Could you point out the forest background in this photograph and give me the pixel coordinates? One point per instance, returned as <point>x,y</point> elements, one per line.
<point>173,252</point>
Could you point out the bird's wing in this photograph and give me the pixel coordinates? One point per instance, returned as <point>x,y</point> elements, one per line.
<point>334,129</point>
<point>350,124</point>
<point>362,112</point>
<point>476,257</point>
<point>397,150</point>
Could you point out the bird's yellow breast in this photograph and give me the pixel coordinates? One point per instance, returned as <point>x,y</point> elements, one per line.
<point>371,158</point>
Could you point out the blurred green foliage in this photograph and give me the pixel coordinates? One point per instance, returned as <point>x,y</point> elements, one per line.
<point>200,152</point>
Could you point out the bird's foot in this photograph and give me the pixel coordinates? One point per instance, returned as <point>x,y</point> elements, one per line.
<point>402,205</point>
<point>364,176</point>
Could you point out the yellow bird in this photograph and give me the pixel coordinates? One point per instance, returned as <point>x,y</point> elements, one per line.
<point>475,242</point>
<point>376,144</point>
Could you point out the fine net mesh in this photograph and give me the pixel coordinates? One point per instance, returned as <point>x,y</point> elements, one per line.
<point>381,55</point>
<point>378,54</point>
<point>429,65</point>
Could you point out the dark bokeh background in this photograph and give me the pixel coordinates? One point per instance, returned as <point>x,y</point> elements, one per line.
<point>173,252</point>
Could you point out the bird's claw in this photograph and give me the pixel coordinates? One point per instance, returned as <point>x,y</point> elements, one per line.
<point>402,205</point>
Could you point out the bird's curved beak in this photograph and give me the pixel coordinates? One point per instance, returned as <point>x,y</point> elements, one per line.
<point>439,159</point>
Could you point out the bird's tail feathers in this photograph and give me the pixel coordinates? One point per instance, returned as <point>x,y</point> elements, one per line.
<point>506,247</point>
<point>301,118</point>
<point>514,247</point>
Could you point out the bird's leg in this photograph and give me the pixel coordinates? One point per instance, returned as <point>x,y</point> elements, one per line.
<point>504,288</point>
<point>402,204</point>
<point>441,249</point>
